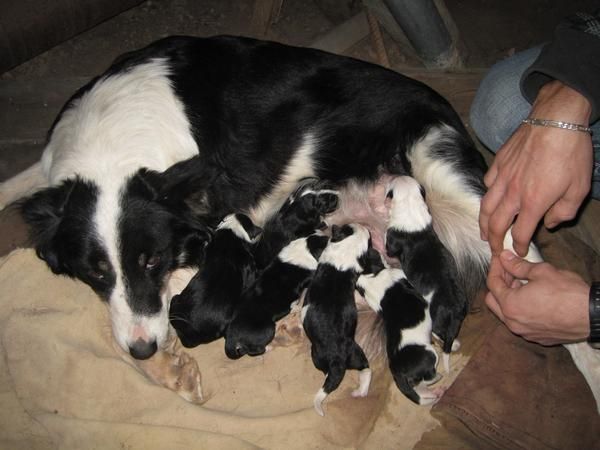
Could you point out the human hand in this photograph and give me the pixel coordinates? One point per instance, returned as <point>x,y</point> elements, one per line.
<point>539,172</point>
<point>551,308</point>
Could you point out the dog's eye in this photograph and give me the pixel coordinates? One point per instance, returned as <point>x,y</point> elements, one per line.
<point>152,262</point>
<point>97,275</point>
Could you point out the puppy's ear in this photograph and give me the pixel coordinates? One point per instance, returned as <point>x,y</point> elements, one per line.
<point>326,202</point>
<point>190,244</point>
<point>393,244</point>
<point>316,244</point>
<point>340,233</point>
<point>371,261</point>
<point>252,230</point>
<point>423,194</point>
<point>44,212</point>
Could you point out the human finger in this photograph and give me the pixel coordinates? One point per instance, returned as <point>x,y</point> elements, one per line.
<point>496,281</point>
<point>489,204</point>
<point>500,221</point>
<point>563,210</point>
<point>525,225</point>
<point>518,267</point>
<point>494,306</point>
<point>490,176</point>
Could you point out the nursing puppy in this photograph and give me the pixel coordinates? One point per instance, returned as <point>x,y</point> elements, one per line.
<point>301,214</point>
<point>202,312</point>
<point>272,296</point>
<point>329,313</point>
<point>407,321</point>
<point>428,265</point>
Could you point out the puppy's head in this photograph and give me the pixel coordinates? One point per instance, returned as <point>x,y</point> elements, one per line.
<point>305,208</point>
<point>122,242</point>
<point>348,248</point>
<point>414,368</point>
<point>249,332</point>
<point>407,207</point>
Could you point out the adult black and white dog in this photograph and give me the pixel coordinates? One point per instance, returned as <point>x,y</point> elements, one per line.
<point>197,128</point>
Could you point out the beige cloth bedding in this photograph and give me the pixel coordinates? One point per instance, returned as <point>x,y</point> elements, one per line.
<point>62,385</point>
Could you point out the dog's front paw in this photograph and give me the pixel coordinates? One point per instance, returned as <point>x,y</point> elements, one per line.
<point>288,331</point>
<point>184,378</point>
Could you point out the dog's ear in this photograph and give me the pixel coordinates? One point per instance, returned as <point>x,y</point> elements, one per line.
<point>147,184</point>
<point>371,261</point>
<point>252,230</point>
<point>340,233</point>
<point>316,244</point>
<point>43,212</point>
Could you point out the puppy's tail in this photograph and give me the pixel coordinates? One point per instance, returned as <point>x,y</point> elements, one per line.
<point>446,163</point>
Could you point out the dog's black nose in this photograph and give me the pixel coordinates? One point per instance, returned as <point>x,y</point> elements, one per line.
<point>141,349</point>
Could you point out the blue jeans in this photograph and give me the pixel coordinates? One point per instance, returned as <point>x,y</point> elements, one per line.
<point>499,107</point>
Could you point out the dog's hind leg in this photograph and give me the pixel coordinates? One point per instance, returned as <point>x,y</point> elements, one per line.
<point>21,185</point>
<point>358,361</point>
<point>172,368</point>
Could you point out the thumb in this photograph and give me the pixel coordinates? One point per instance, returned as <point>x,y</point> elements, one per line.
<point>516,266</point>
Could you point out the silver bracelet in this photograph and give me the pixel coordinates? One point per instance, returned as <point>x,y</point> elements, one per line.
<point>557,124</point>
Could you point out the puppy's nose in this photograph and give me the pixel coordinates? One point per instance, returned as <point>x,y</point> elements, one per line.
<point>141,349</point>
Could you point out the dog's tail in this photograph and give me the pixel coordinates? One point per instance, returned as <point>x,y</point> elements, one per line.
<point>447,165</point>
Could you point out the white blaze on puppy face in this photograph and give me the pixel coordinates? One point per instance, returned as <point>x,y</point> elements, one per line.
<point>375,286</point>
<point>408,210</point>
<point>297,254</point>
<point>344,254</point>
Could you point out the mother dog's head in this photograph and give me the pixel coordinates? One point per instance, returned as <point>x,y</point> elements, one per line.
<point>122,240</point>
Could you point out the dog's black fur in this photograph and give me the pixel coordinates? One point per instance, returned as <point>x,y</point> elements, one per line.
<point>271,297</point>
<point>329,312</point>
<point>402,308</point>
<point>203,310</point>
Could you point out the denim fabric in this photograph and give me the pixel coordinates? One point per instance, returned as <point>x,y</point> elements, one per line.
<point>499,107</point>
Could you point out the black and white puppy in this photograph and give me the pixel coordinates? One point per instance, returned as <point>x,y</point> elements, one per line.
<point>300,215</point>
<point>406,317</point>
<point>428,265</point>
<point>203,310</point>
<point>272,296</point>
<point>329,313</point>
